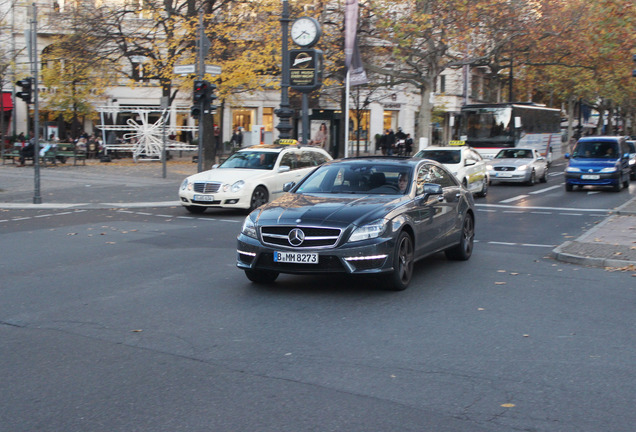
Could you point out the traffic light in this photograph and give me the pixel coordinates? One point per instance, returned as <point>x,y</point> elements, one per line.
<point>27,90</point>
<point>201,91</point>
<point>195,111</point>
<point>211,97</point>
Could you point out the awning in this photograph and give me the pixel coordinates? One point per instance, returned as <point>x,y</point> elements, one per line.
<point>7,102</point>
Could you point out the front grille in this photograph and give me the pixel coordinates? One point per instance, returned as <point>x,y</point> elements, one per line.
<point>328,263</point>
<point>314,236</point>
<point>504,168</point>
<point>215,202</point>
<point>207,187</point>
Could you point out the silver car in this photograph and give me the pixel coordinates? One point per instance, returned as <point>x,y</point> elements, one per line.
<point>518,165</point>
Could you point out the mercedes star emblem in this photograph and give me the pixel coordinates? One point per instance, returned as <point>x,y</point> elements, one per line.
<point>296,237</point>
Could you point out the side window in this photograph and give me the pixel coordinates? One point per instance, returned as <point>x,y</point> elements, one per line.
<point>318,158</point>
<point>423,176</point>
<point>442,177</point>
<point>289,159</point>
<point>305,160</point>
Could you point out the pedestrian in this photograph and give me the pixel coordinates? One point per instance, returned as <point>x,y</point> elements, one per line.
<point>237,138</point>
<point>408,145</point>
<point>28,151</point>
<point>390,142</point>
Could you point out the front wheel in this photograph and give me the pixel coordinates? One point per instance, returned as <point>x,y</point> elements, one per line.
<point>403,259</point>
<point>544,177</point>
<point>259,197</point>
<point>464,249</point>
<point>261,276</point>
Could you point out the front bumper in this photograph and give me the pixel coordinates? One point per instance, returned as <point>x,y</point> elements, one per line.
<point>220,199</point>
<point>510,176</point>
<point>594,179</point>
<point>364,257</point>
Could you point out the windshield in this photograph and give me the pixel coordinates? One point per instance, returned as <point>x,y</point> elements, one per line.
<point>595,150</point>
<point>358,179</point>
<point>441,156</point>
<point>251,160</point>
<point>514,154</point>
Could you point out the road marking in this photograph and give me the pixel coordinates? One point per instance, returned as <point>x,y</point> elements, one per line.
<point>543,208</point>
<point>546,189</point>
<point>517,198</point>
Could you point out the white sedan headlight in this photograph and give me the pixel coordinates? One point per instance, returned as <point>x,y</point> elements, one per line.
<point>249,229</point>
<point>490,167</point>
<point>368,231</point>
<point>522,168</point>
<point>186,185</point>
<point>238,186</point>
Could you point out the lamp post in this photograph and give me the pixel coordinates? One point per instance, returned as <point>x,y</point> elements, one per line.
<point>284,113</point>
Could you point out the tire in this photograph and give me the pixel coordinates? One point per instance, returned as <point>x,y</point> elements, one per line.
<point>618,186</point>
<point>533,178</point>
<point>569,187</point>
<point>403,260</point>
<point>259,197</point>
<point>484,188</point>
<point>544,177</point>
<point>195,209</point>
<point>261,276</point>
<point>626,182</point>
<point>464,249</point>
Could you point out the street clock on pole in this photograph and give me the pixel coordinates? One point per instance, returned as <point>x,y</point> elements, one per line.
<point>305,32</point>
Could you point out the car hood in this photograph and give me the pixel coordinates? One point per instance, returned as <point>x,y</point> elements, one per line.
<point>595,164</point>
<point>511,161</point>
<point>229,175</point>
<point>327,210</point>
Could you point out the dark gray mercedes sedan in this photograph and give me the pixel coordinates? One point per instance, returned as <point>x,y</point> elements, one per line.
<point>367,216</point>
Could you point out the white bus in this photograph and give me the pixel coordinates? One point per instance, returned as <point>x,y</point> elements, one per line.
<point>490,127</point>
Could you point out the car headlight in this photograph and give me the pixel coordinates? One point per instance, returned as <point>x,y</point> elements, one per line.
<point>186,185</point>
<point>249,228</point>
<point>368,231</point>
<point>522,168</point>
<point>238,186</point>
<point>489,167</point>
<point>608,170</point>
<point>572,169</point>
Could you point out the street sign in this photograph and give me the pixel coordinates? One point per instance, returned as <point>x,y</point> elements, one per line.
<point>213,70</point>
<point>184,69</point>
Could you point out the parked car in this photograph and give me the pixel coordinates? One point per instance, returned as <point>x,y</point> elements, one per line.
<point>598,161</point>
<point>632,159</point>
<point>250,177</point>
<point>465,164</point>
<point>520,165</point>
<point>361,216</point>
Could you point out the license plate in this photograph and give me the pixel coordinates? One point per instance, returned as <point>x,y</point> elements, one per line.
<point>590,177</point>
<point>203,197</point>
<point>505,174</point>
<point>296,257</point>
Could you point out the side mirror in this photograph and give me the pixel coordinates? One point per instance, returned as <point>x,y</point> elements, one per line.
<point>284,168</point>
<point>288,186</point>
<point>430,189</point>
<point>567,156</point>
<point>215,166</point>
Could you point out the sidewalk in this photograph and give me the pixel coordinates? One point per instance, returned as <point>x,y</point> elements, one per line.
<point>611,243</point>
<point>96,184</point>
<point>123,183</point>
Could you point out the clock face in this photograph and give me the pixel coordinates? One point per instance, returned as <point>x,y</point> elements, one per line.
<point>305,31</point>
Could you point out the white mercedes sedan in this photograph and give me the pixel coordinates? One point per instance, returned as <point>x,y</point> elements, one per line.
<point>250,177</point>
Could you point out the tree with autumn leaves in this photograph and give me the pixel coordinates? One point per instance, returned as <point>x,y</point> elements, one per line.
<point>561,50</point>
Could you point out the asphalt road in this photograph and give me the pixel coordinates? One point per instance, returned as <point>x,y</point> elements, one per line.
<point>138,320</point>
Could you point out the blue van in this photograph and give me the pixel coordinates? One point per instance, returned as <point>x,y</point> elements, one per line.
<point>598,161</point>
